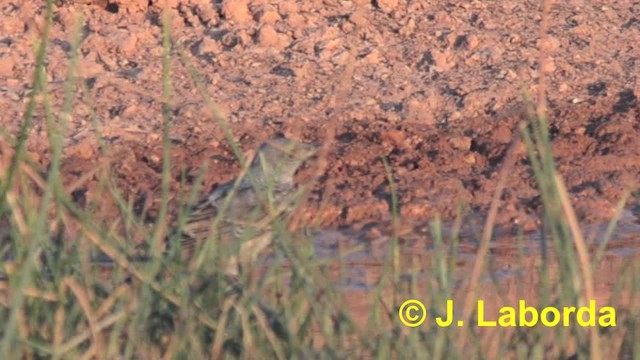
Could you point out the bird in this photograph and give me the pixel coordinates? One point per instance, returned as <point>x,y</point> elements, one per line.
<point>255,201</point>
<point>263,196</point>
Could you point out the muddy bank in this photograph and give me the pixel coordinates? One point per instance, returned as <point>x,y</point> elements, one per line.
<point>435,88</point>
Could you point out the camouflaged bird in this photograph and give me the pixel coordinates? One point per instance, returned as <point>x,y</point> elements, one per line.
<point>264,195</point>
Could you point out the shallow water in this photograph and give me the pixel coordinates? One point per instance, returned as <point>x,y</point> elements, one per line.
<point>368,258</point>
<point>513,267</point>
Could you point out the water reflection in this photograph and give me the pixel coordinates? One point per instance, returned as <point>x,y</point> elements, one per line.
<point>361,258</point>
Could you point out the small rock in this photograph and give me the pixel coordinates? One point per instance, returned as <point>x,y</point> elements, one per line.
<point>421,109</point>
<point>236,11</point>
<point>12,25</point>
<point>134,6</point>
<point>470,159</point>
<point>207,13</point>
<point>521,149</point>
<point>126,42</point>
<point>373,57</point>
<point>267,15</point>
<point>268,37</point>
<point>548,44</point>
<point>395,136</point>
<point>208,45</point>
<point>445,61</point>
<point>409,28</point>
<point>297,23</point>
<point>359,18</point>
<point>130,111</point>
<point>287,8</point>
<point>347,27</point>
<point>548,66</point>
<point>83,151</point>
<point>366,210</point>
<point>7,64</point>
<point>442,19</point>
<point>473,41</point>
<point>580,130</point>
<point>461,143</point>
<point>502,134</point>
<point>416,209</point>
<point>386,5</point>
